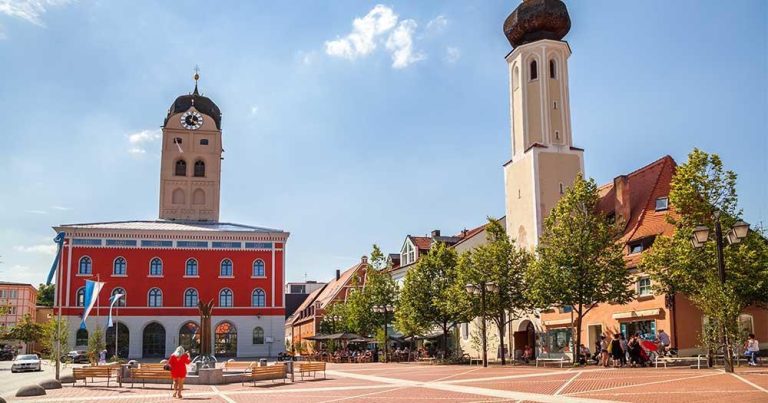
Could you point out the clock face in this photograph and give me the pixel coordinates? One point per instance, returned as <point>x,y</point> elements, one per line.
<point>191,120</point>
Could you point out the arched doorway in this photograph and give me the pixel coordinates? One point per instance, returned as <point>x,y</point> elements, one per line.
<point>123,338</point>
<point>525,336</point>
<point>226,340</point>
<point>153,341</point>
<point>189,338</point>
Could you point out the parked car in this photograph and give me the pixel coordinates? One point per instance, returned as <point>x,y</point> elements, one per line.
<point>6,355</point>
<point>26,362</point>
<point>76,357</point>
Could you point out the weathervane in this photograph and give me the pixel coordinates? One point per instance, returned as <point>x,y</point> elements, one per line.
<point>197,77</point>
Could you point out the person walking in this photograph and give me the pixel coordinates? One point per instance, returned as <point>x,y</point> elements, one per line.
<point>178,363</point>
<point>624,349</point>
<point>753,347</point>
<point>603,351</point>
<point>616,351</point>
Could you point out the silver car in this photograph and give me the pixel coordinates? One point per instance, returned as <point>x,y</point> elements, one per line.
<point>26,362</point>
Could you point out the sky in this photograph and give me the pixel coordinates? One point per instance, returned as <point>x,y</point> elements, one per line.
<point>349,123</point>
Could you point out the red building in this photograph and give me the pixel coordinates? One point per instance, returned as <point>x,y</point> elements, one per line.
<point>164,267</point>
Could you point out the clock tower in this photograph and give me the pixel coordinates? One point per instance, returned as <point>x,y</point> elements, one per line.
<point>190,167</point>
<point>544,161</point>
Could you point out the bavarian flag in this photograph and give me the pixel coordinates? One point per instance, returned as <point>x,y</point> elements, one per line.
<point>92,289</point>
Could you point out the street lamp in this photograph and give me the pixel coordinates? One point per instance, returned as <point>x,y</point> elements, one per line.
<point>385,309</point>
<point>334,319</point>
<point>481,289</point>
<point>735,234</point>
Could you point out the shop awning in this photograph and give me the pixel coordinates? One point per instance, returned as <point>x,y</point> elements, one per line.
<point>637,314</point>
<point>557,322</point>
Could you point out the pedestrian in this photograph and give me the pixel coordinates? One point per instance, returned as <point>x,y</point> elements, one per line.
<point>616,351</point>
<point>178,363</point>
<point>624,349</point>
<point>102,357</point>
<point>753,347</point>
<point>664,342</point>
<point>603,351</point>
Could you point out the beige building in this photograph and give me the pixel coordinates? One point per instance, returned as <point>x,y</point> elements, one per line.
<point>190,168</point>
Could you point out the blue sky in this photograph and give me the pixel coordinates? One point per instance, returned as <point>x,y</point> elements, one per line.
<point>346,141</point>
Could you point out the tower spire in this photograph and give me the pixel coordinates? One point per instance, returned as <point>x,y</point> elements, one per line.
<point>197,77</point>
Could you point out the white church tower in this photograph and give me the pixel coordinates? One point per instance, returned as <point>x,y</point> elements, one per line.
<point>544,161</point>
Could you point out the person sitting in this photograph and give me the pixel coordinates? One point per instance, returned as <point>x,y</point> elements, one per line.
<point>527,354</point>
<point>583,354</point>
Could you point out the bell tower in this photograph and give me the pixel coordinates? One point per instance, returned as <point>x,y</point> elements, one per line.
<point>544,161</point>
<point>190,167</point>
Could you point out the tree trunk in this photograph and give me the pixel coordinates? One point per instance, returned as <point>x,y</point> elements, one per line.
<point>577,347</point>
<point>500,326</point>
<point>445,340</point>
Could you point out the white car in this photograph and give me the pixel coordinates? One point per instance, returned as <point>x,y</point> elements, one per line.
<point>26,362</point>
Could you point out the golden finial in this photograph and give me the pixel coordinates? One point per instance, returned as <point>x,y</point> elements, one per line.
<point>197,77</point>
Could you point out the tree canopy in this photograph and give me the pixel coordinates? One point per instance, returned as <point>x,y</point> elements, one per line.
<point>45,294</point>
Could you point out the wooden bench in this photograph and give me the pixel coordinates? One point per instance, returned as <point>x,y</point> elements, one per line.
<point>239,365</point>
<point>311,368</point>
<point>562,360</point>
<point>153,365</point>
<point>93,372</point>
<point>144,374</point>
<point>665,360</point>
<point>271,372</point>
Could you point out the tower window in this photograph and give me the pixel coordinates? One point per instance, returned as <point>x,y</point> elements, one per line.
<point>181,168</point>
<point>177,140</point>
<point>515,78</point>
<point>552,69</point>
<point>557,135</point>
<point>203,142</point>
<point>534,70</point>
<point>199,169</point>
<point>554,105</point>
<point>562,189</point>
<point>519,194</point>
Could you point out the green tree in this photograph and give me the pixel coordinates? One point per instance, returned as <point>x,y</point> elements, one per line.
<point>49,334</point>
<point>702,186</point>
<point>432,294</point>
<point>45,294</point>
<point>501,262</point>
<point>26,330</point>
<point>96,344</point>
<point>580,263</point>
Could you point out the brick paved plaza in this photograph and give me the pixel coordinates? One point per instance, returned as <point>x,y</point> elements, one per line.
<point>410,382</point>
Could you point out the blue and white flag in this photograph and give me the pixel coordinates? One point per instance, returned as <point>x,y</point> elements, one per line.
<point>92,289</point>
<point>112,302</point>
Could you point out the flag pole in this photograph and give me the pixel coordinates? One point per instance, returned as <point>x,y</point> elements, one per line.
<point>117,323</point>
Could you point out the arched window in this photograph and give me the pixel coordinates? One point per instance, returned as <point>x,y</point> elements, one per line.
<point>225,340</point>
<point>191,268</point>
<point>181,168</point>
<point>198,197</point>
<point>226,268</point>
<point>189,337</point>
<point>552,69</point>
<point>121,301</point>
<point>177,140</point>
<point>258,268</point>
<point>118,267</point>
<point>80,297</point>
<point>81,337</point>
<point>534,70</point>
<point>156,267</point>
<point>178,197</point>
<point>258,298</point>
<point>515,78</point>
<point>85,265</point>
<point>190,297</point>
<point>155,298</point>
<point>225,297</point>
<point>199,168</point>
<point>258,335</point>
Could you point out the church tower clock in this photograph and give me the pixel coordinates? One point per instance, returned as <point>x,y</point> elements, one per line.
<point>544,161</point>
<point>190,168</point>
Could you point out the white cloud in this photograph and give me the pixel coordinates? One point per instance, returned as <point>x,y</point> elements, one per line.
<point>140,140</point>
<point>29,10</point>
<point>362,40</point>
<point>254,110</point>
<point>437,24</point>
<point>36,211</point>
<point>61,208</point>
<point>452,54</point>
<point>44,249</point>
<point>400,43</point>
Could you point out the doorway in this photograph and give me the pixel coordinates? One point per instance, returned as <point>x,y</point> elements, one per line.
<point>593,336</point>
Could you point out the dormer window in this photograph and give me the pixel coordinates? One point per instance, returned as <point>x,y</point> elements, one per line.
<point>641,245</point>
<point>635,248</point>
<point>662,203</point>
<point>408,254</point>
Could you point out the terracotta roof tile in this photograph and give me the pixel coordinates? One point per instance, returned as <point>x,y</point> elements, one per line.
<point>421,242</point>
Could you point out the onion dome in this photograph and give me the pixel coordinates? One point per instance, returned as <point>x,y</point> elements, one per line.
<point>203,104</point>
<point>535,20</point>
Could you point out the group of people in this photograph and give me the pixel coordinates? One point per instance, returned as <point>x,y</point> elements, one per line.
<point>619,351</point>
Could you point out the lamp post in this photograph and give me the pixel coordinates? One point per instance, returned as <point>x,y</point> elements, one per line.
<point>481,289</point>
<point>334,319</point>
<point>735,234</point>
<point>385,309</point>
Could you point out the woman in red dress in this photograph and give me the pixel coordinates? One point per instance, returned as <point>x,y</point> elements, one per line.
<point>178,363</point>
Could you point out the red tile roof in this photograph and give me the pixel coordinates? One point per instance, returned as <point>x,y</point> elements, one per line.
<point>421,242</point>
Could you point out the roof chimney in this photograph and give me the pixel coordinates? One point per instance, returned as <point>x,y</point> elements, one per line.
<point>435,233</point>
<point>338,274</point>
<point>364,259</point>
<point>621,206</point>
